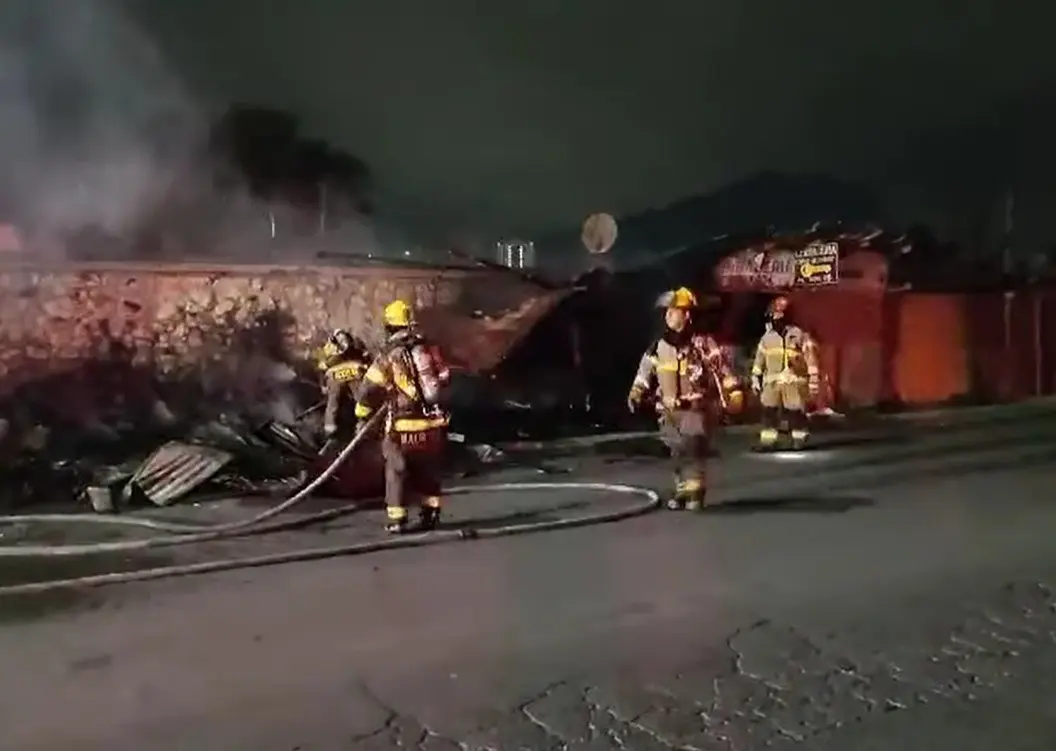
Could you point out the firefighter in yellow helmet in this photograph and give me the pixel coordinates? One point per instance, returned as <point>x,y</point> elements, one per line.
<point>409,374</point>
<point>343,361</point>
<point>692,382</point>
<point>784,376</point>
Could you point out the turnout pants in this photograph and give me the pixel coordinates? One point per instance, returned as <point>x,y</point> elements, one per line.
<point>782,400</point>
<point>413,466</point>
<point>685,433</point>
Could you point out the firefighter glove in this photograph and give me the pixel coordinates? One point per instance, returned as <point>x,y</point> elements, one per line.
<point>735,402</point>
<point>633,400</point>
<point>757,383</point>
<point>329,429</point>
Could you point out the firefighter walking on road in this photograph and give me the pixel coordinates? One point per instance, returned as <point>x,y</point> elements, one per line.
<point>409,375</point>
<point>343,362</point>
<point>784,376</point>
<point>692,383</point>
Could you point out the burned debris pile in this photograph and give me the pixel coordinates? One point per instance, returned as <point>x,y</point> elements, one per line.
<point>134,459</point>
<point>162,454</point>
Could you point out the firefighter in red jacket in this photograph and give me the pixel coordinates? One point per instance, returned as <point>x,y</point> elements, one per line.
<point>409,375</point>
<point>693,385</point>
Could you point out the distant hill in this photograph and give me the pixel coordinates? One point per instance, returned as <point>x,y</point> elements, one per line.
<point>767,199</point>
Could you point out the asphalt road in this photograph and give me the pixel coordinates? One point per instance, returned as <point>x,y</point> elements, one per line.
<point>884,593</point>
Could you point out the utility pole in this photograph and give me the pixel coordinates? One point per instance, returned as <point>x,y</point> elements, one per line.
<point>1010,216</point>
<point>1009,294</point>
<point>322,197</point>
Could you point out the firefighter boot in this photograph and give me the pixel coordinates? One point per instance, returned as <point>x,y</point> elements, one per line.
<point>767,440</point>
<point>687,493</point>
<point>396,523</point>
<point>677,501</point>
<point>798,431</point>
<point>429,516</point>
<point>694,495</point>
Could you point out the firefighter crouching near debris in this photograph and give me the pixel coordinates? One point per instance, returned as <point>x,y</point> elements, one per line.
<point>693,383</point>
<point>343,362</point>
<point>409,374</point>
<point>784,376</point>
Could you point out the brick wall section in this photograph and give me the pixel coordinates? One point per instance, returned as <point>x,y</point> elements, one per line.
<point>79,335</point>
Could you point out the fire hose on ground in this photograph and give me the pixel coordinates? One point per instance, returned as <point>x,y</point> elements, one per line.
<point>175,534</point>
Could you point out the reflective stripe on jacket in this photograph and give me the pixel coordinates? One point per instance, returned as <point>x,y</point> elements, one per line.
<point>790,355</point>
<point>684,373</point>
<point>409,376</point>
<point>340,380</point>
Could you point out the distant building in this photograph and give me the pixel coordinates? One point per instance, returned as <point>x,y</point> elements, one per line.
<point>516,254</point>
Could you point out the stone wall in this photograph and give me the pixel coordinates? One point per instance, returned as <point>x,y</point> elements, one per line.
<point>82,338</point>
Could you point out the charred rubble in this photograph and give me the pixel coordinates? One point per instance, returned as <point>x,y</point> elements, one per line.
<point>158,451</point>
<point>135,422</point>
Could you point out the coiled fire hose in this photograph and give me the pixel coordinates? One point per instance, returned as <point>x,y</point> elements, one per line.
<point>184,534</point>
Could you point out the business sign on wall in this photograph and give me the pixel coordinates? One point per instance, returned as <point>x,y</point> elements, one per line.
<point>756,270</point>
<point>817,265</point>
<point>776,269</point>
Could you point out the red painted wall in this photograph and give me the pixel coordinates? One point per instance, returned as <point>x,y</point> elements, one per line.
<point>927,348</point>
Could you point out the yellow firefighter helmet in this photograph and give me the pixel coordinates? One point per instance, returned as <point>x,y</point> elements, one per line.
<point>397,314</point>
<point>681,298</point>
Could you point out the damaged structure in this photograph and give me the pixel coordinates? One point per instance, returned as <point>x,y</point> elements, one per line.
<point>887,337</point>
<point>99,355</point>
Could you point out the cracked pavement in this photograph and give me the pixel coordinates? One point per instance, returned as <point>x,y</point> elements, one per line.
<point>907,597</point>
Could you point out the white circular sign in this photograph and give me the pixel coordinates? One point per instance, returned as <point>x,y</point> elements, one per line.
<point>599,233</point>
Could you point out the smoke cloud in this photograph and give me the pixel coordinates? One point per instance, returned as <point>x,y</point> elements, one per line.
<point>104,152</point>
<point>95,130</point>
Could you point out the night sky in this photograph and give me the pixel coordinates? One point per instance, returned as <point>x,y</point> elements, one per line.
<point>524,116</point>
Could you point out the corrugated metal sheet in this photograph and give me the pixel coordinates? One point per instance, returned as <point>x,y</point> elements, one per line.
<point>276,433</point>
<point>176,469</point>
